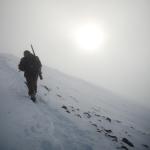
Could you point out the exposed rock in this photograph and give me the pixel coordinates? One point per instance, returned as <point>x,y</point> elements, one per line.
<point>144,145</point>
<point>64,107</point>
<point>67,111</point>
<point>98,130</point>
<point>122,147</point>
<point>72,108</point>
<point>59,95</point>
<point>87,114</point>
<point>114,138</point>
<point>125,140</point>
<point>108,131</point>
<point>93,124</point>
<point>97,115</point>
<point>108,119</point>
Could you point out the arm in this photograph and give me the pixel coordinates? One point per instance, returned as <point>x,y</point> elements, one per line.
<point>21,65</point>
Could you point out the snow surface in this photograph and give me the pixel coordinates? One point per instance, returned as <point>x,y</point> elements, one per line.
<point>70,114</point>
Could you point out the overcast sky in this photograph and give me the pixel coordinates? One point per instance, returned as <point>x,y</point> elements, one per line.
<point>121,63</point>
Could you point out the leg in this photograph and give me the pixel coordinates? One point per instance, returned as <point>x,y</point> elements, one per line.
<point>30,84</point>
<point>34,87</point>
<point>35,78</point>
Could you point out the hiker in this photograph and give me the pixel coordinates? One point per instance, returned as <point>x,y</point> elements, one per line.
<point>31,66</point>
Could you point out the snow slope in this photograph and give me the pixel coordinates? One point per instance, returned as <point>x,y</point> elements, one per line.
<point>70,114</point>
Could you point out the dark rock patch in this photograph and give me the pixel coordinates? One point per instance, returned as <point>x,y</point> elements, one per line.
<point>93,124</point>
<point>64,107</point>
<point>72,108</point>
<point>125,140</point>
<point>108,131</point>
<point>108,119</point>
<point>98,130</point>
<point>144,145</point>
<point>122,147</point>
<point>87,114</point>
<point>59,95</point>
<point>97,115</point>
<point>114,138</point>
<point>67,111</point>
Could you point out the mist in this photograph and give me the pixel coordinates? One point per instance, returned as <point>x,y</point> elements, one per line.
<point>121,64</point>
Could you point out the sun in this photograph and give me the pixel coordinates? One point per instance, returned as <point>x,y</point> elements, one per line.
<point>89,37</point>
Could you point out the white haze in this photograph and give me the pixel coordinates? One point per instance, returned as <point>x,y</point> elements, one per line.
<point>122,64</point>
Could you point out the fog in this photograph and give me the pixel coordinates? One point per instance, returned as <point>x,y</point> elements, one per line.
<point>121,64</point>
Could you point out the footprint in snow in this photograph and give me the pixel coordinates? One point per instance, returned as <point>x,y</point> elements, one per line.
<point>46,88</point>
<point>74,99</point>
<point>58,95</point>
<point>87,114</point>
<point>65,107</point>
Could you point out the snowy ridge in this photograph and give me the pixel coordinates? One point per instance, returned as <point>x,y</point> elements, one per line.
<point>70,114</point>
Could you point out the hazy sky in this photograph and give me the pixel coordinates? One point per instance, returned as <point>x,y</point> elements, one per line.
<point>121,63</point>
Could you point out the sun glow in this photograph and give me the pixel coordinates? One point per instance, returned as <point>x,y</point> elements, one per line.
<point>89,37</point>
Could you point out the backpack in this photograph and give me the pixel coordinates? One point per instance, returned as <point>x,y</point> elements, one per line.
<point>31,64</point>
<point>34,64</point>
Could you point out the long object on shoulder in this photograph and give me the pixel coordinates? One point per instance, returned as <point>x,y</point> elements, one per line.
<point>32,50</point>
<point>40,73</point>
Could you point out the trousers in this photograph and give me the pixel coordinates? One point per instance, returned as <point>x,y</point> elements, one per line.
<point>31,81</point>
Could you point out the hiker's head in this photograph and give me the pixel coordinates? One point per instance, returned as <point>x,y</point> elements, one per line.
<point>26,53</point>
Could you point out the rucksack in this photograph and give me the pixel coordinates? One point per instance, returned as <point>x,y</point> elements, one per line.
<point>35,64</point>
<point>31,64</point>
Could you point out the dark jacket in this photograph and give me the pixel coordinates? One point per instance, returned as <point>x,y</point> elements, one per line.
<point>30,64</point>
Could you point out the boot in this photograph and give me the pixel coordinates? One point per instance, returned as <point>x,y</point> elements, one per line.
<point>33,98</point>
